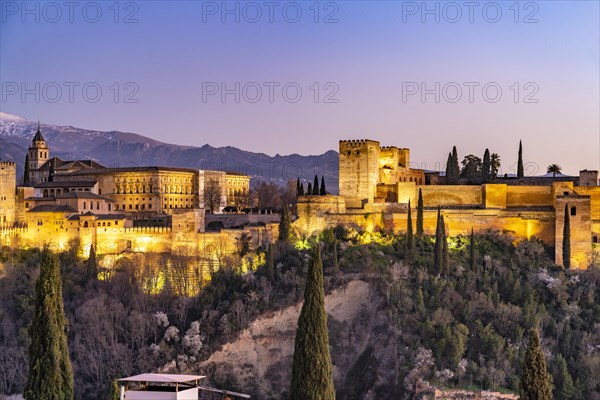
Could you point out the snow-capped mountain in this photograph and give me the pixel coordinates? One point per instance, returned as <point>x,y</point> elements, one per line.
<point>115,148</point>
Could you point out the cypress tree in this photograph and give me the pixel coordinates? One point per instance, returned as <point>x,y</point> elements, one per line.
<point>449,169</point>
<point>323,192</point>
<point>26,174</point>
<point>301,189</point>
<point>315,188</point>
<point>445,268</point>
<point>309,192</point>
<point>566,242</point>
<point>285,224</point>
<point>409,244</point>
<point>312,377</point>
<point>298,187</point>
<point>91,265</point>
<point>420,214</point>
<point>486,167</point>
<point>50,373</point>
<point>438,247</point>
<point>336,262</point>
<point>535,384</point>
<point>270,263</point>
<point>472,251</point>
<point>564,387</point>
<point>455,167</point>
<point>520,170</point>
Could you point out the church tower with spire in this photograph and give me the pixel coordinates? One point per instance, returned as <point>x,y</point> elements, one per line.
<point>38,152</point>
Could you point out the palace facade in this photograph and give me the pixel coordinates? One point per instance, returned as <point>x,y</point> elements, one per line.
<point>133,209</point>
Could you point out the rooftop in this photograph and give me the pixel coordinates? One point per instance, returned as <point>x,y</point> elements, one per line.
<point>53,208</point>
<point>162,378</point>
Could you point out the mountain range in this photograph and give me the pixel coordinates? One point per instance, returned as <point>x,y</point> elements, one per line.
<point>125,149</point>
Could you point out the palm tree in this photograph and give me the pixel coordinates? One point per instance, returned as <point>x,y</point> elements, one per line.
<point>554,169</point>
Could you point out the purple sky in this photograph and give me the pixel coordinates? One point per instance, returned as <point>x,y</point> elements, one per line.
<point>176,56</point>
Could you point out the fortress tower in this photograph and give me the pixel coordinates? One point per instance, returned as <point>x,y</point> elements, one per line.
<point>359,171</point>
<point>8,183</point>
<point>38,152</point>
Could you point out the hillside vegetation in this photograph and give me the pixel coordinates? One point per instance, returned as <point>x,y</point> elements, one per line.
<point>393,322</point>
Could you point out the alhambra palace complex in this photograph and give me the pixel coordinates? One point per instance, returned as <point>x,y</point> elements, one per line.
<point>161,209</point>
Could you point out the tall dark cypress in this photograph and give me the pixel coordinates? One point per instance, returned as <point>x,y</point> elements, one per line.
<point>566,242</point>
<point>285,224</point>
<point>309,191</point>
<point>455,166</point>
<point>336,262</point>
<point>438,246</point>
<point>449,169</point>
<point>445,265</point>
<point>50,373</point>
<point>315,188</point>
<point>26,173</point>
<point>270,263</point>
<point>535,382</point>
<point>420,214</point>
<point>301,189</point>
<point>486,167</point>
<point>322,191</point>
<point>298,186</point>
<point>472,251</point>
<point>92,266</point>
<point>312,376</point>
<point>410,243</point>
<point>520,170</point>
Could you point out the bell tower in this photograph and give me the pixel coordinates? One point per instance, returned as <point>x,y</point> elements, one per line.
<point>38,151</point>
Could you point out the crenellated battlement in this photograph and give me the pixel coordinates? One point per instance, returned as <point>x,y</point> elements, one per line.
<point>8,163</point>
<point>358,143</point>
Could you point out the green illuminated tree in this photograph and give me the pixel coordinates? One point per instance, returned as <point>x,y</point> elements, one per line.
<point>50,373</point>
<point>312,376</point>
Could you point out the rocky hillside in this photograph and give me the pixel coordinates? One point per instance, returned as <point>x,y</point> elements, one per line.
<point>261,358</point>
<point>116,149</point>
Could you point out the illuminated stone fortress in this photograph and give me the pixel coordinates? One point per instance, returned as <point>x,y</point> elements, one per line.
<point>376,184</point>
<point>132,209</point>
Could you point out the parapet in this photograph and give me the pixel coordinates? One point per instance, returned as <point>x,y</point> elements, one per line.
<point>358,143</point>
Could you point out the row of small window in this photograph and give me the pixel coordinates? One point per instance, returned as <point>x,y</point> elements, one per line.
<point>132,206</point>
<point>97,205</point>
<point>3,198</point>
<point>85,224</point>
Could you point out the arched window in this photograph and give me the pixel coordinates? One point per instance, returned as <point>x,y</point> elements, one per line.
<point>85,224</point>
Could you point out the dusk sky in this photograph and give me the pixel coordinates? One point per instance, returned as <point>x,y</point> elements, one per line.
<point>174,58</point>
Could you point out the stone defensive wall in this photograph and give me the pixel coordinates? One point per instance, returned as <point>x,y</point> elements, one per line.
<point>111,240</point>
